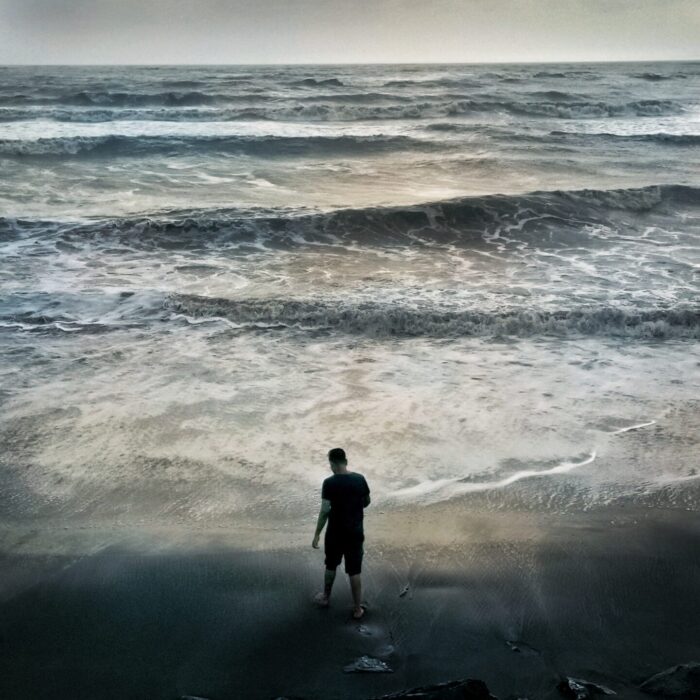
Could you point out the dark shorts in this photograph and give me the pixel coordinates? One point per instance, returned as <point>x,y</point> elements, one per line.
<point>344,546</point>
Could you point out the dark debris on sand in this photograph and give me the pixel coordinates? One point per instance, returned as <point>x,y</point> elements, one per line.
<point>467,689</point>
<point>368,664</point>
<point>579,689</point>
<point>681,681</point>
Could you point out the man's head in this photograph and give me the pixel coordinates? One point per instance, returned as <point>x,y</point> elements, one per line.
<point>337,458</point>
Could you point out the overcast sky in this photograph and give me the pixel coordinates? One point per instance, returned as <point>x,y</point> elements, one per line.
<point>340,31</point>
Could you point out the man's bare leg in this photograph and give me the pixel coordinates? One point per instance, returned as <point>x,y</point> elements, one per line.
<point>323,599</point>
<point>356,588</point>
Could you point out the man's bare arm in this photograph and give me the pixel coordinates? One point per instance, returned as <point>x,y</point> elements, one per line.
<point>321,522</point>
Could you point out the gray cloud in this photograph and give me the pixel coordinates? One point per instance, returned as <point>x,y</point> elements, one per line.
<point>288,31</point>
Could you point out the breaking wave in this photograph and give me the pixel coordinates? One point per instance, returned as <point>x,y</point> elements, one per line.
<point>546,219</point>
<point>371,319</point>
<point>376,319</point>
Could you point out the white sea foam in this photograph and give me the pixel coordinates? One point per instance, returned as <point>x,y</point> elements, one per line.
<point>448,488</point>
<point>629,428</point>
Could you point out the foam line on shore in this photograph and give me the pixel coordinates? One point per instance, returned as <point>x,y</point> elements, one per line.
<point>633,427</point>
<point>668,479</point>
<point>460,487</point>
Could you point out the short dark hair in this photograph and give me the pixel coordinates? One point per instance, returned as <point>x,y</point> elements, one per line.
<point>337,454</point>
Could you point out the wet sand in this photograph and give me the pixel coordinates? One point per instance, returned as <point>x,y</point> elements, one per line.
<point>610,596</point>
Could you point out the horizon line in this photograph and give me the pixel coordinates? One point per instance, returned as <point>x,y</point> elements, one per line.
<point>353,63</point>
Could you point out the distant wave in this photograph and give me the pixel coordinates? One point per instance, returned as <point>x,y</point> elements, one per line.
<point>660,137</point>
<point>189,84</point>
<point>657,77</point>
<point>341,107</point>
<point>430,83</point>
<point>93,98</point>
<point>327,99</point>
<point>556,95</point>
<point>257,145</point>
<point>109,114</point>
<point>456,127</point>
<point>579,73</point>
<point>315,82</point>
<point>380,320</point>
<point>552,74</point>
<point>273,145</point>
<point>183,93</point>
<point>593,109</point>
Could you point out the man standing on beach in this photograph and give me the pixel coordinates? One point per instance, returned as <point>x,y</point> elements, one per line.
<point>344,497</point>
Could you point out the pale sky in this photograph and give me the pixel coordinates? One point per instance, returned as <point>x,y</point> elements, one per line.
<point>346,31</point>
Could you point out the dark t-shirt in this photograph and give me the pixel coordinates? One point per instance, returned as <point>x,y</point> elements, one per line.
<point>347,494</point>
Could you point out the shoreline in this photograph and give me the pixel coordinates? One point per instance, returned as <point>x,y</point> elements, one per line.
<point>160,613</point>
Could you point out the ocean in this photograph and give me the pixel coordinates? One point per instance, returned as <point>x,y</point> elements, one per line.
<point>480,280</point>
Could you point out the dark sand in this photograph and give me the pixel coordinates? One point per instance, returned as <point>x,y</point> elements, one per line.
<point>611,596</point>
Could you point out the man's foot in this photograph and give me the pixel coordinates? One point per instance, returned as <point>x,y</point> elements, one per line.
<point>358,613</point>
<point>321,599</point>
